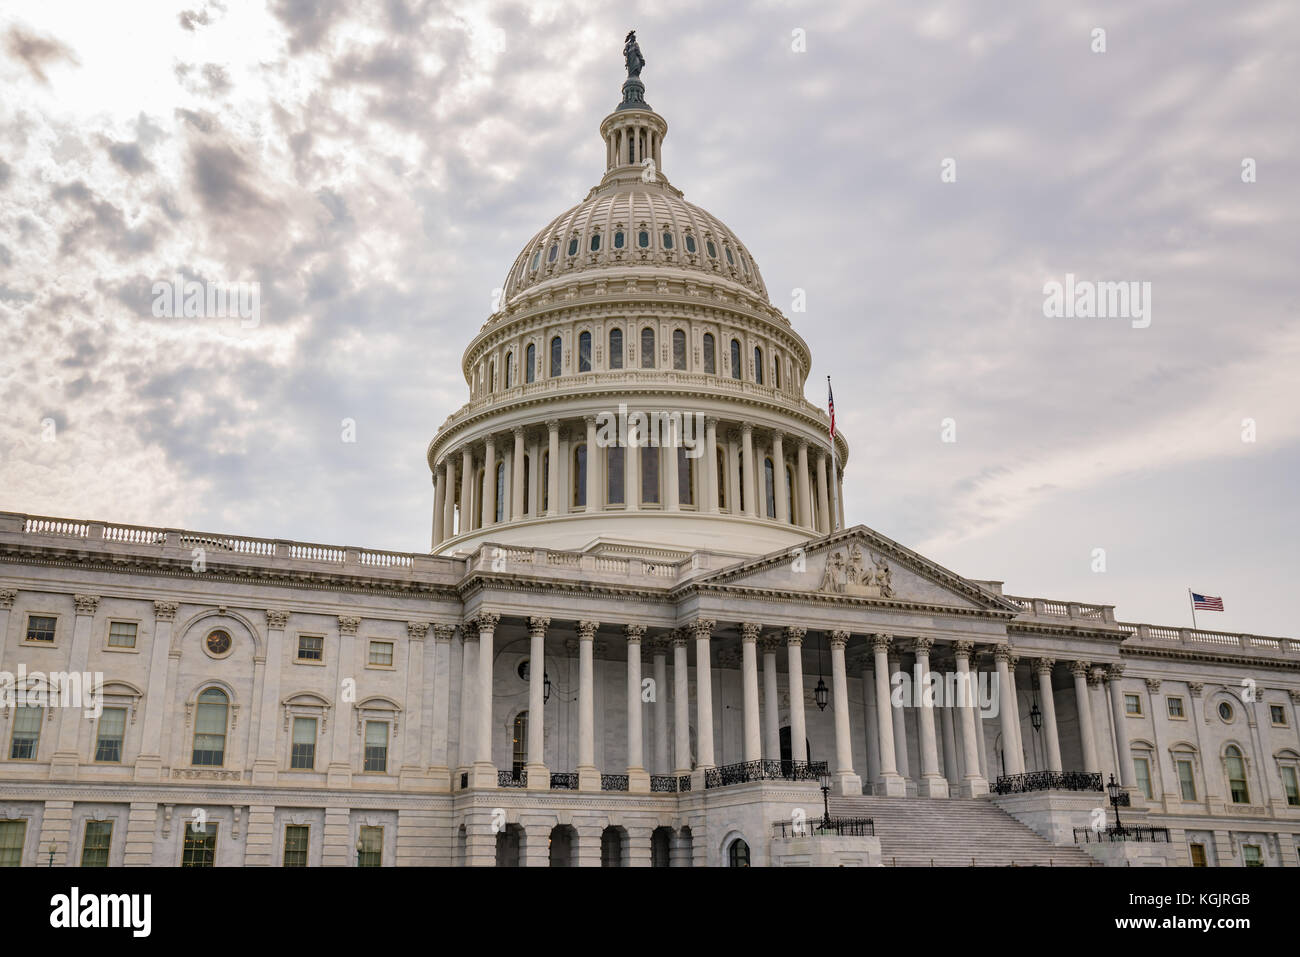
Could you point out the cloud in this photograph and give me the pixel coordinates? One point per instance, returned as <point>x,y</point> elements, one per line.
<point>38,53</point>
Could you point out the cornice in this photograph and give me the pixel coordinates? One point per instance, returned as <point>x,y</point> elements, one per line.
<point>1207,657</point>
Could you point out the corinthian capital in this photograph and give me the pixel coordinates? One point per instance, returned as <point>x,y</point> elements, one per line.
<point>86,604</point>
<point>276,619</point>
<point>165,610</point>
<point>537,626</point>
<point>587,630</point>
<point>702,627</point>
<point>794,634</point>
<point>750,630</point>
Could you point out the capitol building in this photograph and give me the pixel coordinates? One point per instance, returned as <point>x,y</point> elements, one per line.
<point>644,633</point>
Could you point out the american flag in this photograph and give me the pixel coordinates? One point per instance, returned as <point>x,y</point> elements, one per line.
<point>1206,602</point>
<point>830,404</point>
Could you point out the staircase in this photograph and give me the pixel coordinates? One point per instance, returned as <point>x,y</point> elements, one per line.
<point>955,832</point>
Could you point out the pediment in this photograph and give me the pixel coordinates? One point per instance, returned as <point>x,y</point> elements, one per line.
<point>858,563</point>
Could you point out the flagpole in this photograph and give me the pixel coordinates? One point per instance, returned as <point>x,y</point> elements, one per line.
<point>835,471</point>
<point>1193,604</point>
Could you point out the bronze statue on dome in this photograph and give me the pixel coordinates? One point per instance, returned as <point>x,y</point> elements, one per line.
<point>632,54</point>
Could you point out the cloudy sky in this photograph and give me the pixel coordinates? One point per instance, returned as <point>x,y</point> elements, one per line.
<point>377,167</point>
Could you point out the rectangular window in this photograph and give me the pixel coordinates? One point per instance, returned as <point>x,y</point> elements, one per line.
<point>121,634</point>
<point>1175,707</point>
<point>614,474</point>
<point>40,628</point>
<point>200,848</point>
<point>311,647</point>
<point>1290,787</point>
<point>376,746</point>
<point>12,836</point>
<point>1278,715</point>
<point>649,476</point>
<point>296,837</point>
<point>372,847</point>
<point>1251,855</point>
<point>108,739</point>
<point>303,756</point>
<point>1132,704</point>
<point>27,733</point>
<point>1186,780</point>
<point>94,849</point>
<point>1142,768</point>
<point>381,653</point>
<point>1198,855</point>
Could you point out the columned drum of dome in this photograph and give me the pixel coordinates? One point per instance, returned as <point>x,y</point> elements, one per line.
<point>658,401</point>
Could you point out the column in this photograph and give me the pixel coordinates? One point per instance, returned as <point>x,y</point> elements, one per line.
<point>1009,719</point>
<point>752,747</point>
<point>593,466</point>
<point>63,763</point>
<point>973,784</point>
<point>148,766</point>
<point>449,500</point>
<point>466,489</point>
<point>804,486</point>
<point>439,772</point>
<point>632,473</point>
<point>1079,669</point>
<point>539,776</point>
<point>778,464</point>
<point>588,776</point>
<point>932,783</point>
<point>1103,740</point>
<point>264,766</point>
<point>902,761</point>
<point>1124,752</point>
<point>681,703</point>
<point>771,702</point>
<point>468,676</point>
<point>951,770</point>
<point>823,496</point>
<point>484,773</point>
<point>891,782</point>
<point>1013,697</point>
<point>339,772</point>
<point>794,665</point>
<point>489,516</point>
<point>733,473</point>
<point>1043,668</point>
<point>661,764</point>
<point>439,504</point>
<point>638,781</point>
<point>872,770</point>
<point>553,467</point>
<point>414,768</point>
<point>747,451</point>
<point>7,598</point>
<point>760,479</point>
<point>517,480</point>
<point>846,781</point>
<point>702,628</point>
<point>709,498</point>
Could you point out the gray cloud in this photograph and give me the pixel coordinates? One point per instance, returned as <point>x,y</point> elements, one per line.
<point>38,53</point>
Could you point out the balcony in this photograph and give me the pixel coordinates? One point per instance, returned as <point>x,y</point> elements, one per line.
<point>1048,781</point>
<point>748,771</point>
<point>839,827</point>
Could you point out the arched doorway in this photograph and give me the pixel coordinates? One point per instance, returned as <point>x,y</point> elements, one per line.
<point>509,842</point>
<point>661,847</point>
<point>563,837</point>
<point>738,853</point>
<point>612,843</point>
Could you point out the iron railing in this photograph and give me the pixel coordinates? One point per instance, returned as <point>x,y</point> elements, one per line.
<point>512,779</point>
<point>684,782</point>
<point>613,782</point>
<point>1141,833</point>
<point>1048,781</point>
<point>763,771</point>
<point>837,827</point>
<point>564,781</point>
<point>663,782</point>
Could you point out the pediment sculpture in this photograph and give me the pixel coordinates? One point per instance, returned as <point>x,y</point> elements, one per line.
<point>848,574</point>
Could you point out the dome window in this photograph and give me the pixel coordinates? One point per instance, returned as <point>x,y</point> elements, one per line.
<point>710,354</point>
<point>679,349</point>
<point>616,348</point>
<point>537,257</point>
<point>557,353</point>
<point>618,239</point>
<point>573,246</point>
<point>643,239</point>
<point>690,243</point>
<point>730,259</point>
<point>530,363</point>
<point>647,348</point>
<point>555,251</point>
<point>584,352</point>
<point>712,249</point>
<point>735,358</point>
<point>668,240</point>
<point>758,365</point>
<point>595,242</point>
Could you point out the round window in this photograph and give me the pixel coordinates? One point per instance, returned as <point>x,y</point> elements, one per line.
<point>218,643</point>
<point>522,670</point>
<point>1225,711</point>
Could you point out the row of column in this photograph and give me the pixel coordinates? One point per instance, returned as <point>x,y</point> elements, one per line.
<point>456,470</point>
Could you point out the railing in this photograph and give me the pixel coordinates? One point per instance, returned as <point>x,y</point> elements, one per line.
<point>564,781</point>
<point>663,782</point>
<point>1124,799</point>
<point>763,771</point>
<point>512,779</point>
<point>838,827</point>
<point>1048,781</point>
<point>684,783</point>
<point>613,782</point>
<point>1111,835</point>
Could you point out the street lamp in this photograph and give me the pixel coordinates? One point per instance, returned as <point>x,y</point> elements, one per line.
<point>1114,790</point>
<point>359,847</point>
<point>546,687</point>
<point>826,798</point>
<point>1036,717</point>
<point>52,850</point>
<point>820,694</point>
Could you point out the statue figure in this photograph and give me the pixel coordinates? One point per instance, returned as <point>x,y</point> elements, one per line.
<point>884,577</point>
<point>857,575</point>
<point>632,54</point>
<point>832,578</point>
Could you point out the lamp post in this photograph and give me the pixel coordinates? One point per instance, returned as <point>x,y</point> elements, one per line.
<point>546,687</point>
<point>359,847</point>
<point>820,694</point>
<point>1113,789</point>
<point>52,850</point>
<point>826,798</point>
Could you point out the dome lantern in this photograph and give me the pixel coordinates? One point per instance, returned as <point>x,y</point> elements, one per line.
<point>634,132</point>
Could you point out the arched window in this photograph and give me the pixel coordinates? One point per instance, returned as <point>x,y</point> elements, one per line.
<point>520,744</point>
<point>776,371</point>
<point>573,246</point>
<point>722,479</point>
<point>595,242</point>
<point>668,240</point>
<point>510,361</point>
<point>614,473</point>
<point>584,352</point>
<point>580,475</point>
<point>554,251</point>
<point>738,854</point>
<point>685,477</point>
<point>690,243</point>
<point>618,239</point>
<point>769,486</point>
<point>649,475</point>
<point>531,358</point>
<point>711,249</point>
<point>758,365</point>
<point>501,492</point>
<point>679,349</point>
<point>537,257</point>
<point>616,348</point>
<point>647,348</point>
<point>210,728</point>
<point>735,358</point>
<point>643,239</point>
<point>492,377</point>
<point>557,356</point>
<point>730,259</point>
<point>1236,768</point>
<point>710,357</point>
